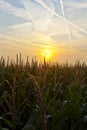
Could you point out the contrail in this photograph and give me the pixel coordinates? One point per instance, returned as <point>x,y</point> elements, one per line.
<point>56,14</point>
<point>68,31</point>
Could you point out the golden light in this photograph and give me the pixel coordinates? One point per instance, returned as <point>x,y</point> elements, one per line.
<point>47,54</point>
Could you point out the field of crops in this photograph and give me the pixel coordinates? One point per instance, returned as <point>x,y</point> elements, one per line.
<point>46,96</point>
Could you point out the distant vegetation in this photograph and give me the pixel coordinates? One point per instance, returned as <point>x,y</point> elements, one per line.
<point>44,96</point>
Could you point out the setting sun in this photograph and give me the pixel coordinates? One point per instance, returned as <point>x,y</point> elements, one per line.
<point>47,54</point>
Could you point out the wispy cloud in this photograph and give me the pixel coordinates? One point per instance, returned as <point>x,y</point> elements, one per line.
<point>39,17</point>
<point>44,23</point>
<point>37,14</point>
<point>77,5</point>
<point>8,8</point>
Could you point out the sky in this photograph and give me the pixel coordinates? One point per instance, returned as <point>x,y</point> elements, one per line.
<point>32,26</point>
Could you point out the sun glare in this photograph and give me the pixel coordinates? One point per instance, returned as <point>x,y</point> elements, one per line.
<point>47,54</point>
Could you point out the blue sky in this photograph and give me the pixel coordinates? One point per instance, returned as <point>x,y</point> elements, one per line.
<point>29,26</point>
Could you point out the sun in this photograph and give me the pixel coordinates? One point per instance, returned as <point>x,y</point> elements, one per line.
<point>47,54</point>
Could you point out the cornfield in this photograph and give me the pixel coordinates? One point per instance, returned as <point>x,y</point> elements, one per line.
<point>42,96</point>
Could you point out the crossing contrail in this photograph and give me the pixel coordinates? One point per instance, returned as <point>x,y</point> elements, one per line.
<point>67,27</point>
<point>57,15</point>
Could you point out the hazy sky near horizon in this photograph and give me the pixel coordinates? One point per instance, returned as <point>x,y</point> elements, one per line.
<point>30,26</point>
